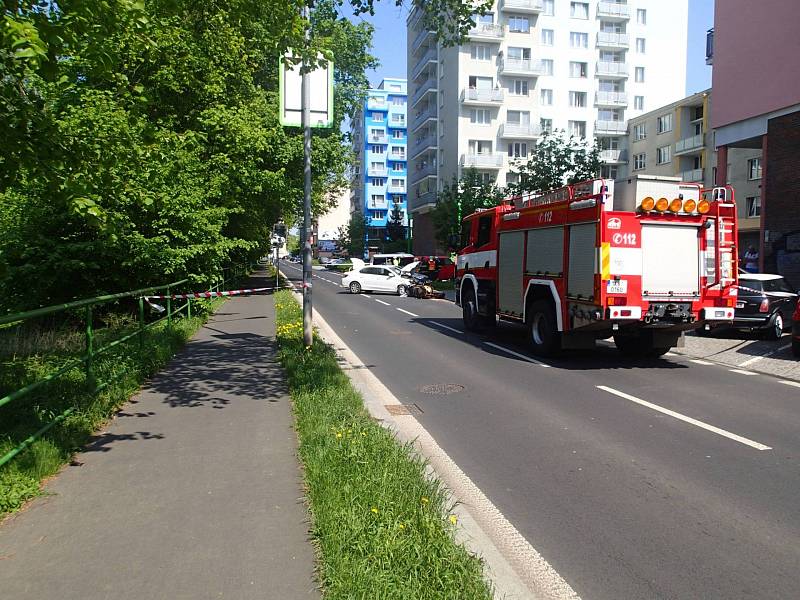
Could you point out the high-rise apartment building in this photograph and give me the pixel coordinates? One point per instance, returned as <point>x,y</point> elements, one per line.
<point>380,137</point>
<point>531,66</point>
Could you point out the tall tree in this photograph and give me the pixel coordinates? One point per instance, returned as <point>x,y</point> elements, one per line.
<point>395,227</point>
<point>557,160</point>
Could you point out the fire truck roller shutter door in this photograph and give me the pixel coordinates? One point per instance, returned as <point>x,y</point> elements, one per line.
<point>670,263</point>
<point>512,248</point>
<point>545,251</point>
<point>582,260</point>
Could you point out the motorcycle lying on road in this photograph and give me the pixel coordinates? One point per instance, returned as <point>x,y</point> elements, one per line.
<point>420,287</point>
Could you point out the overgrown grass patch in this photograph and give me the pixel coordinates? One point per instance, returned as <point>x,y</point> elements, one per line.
<point>384,529</point>
<point>35,353</point>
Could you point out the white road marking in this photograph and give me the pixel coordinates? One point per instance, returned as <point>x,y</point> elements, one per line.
<point>701,362</point>
<point>517,354</point>
<point>407,312</point>
<point>741,372</point>
<point>690,420</point>
<point>670,354</point>
<point>792,383</point>
<point>453,329</point>
<point>382,302</point>
<point>365,297</point>
<point>767,355</point>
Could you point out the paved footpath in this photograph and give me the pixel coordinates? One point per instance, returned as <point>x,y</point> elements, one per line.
<point>192,492</point>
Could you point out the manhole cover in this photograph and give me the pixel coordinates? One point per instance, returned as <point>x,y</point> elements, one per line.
<point>442,389</point>
<point>403,409</point>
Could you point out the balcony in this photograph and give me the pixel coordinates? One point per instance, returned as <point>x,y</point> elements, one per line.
<point>429,58</point>
<point>482,97</point>
<point>427,87</point>
<point>378,138</point>
<point>428,170</point>
<point>613,11</point>
<point>377,104</point>
<point>523,67</point>
<point>398,157</point>
<point>377,204</point>
<point>423,116</point>
<point>689,145</point>
<point>397,189</point>
<point>610,157</point>
<point>612,41</point>
<point>615,99</point>
<point>710,46</point>
<point>531,7</point>
<point>426,199</point>
<point>610,127</point>
<point>421,37</point>
<point>606,68</point>
<point>692,176</point>
<point>377,171</point>
<point>487,160</point>
<point>520,131</point>
<point>486,32</point>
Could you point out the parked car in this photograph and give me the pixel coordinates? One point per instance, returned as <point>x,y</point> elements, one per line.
<point>796,331</point>
<point>766,304</point>
<point>372,278</point>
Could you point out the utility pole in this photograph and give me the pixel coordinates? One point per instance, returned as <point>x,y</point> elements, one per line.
<point>306,122</point>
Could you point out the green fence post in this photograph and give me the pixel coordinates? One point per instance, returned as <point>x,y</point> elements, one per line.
<point>89,348</point>
<point>189,308</point>
<point>169,307</point>
<point>141,327</point>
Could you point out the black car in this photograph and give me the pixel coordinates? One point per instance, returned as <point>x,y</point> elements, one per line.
<point>766,303</point>
<point>796,332</point>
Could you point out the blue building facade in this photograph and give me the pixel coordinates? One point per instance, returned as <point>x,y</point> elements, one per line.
<point>382,139</point>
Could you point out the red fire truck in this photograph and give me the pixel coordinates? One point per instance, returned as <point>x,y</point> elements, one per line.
<point>641,260</point>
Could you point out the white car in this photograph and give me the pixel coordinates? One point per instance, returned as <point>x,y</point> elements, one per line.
<point>373,278</point>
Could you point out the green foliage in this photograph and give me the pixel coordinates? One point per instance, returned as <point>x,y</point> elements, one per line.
<point>461,198</point>
<point>395,229</point>
<point>383,526</point>
<point>557,160</point>
<point>352,236</point>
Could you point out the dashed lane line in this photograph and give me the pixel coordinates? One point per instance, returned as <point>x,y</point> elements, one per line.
<point>517,354</point>
<point>407,312</point>
<point>453,329</point>
<point>685,419</point>
<point>382,302</point>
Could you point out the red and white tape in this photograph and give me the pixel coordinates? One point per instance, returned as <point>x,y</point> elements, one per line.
<point>210,294</point>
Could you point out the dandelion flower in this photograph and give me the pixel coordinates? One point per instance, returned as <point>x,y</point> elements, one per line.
<point>375,510</point>
<point>424,500</point>
<point>453,519</point>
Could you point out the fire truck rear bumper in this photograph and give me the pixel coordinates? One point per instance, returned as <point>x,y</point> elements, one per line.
<point>718,314</point>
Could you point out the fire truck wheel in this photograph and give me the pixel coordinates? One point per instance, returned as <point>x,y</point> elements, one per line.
<point>469,314</point>
<point>543,330</point>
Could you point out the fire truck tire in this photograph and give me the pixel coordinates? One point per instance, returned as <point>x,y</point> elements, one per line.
<point>469,314</point>
<point>542,328</point>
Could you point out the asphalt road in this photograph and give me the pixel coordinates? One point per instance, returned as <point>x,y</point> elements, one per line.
<point>646,479</point>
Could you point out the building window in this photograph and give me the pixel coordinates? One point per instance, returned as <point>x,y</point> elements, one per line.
<point>638,102</point>
<point>547,37</point>
<point>398,118</point>
<point>398,152</point>
<point>664,123</point>
<point>548,7</point>
<point>378,198</point>
<point>579,10</point>
<point>641,16</point>
<point>376,166</point>
<point>378,181</point>
<point>518,150</point>
<point>398,101</point>
<point>546,125</point>
<point>441,98</point>
<point>546,97</point>
<point>518,117</point>
<point>397,166</point>
<point>577,99</point>
<point>754,169</point>
<point>609,171</point>
<point>578,39</point>
<point>639,74</point>
<point>640,45</point>
<point>480,52</point>
<point>663,155</point>
<point>512,178</point>
<point>578,69</point>
<point>518,87</point>
<point>639,161</point>
<point>639,132</point>
<point>577,128</point>
<point>399,183</point>
<point>519,24</point>
<point>397,134</point>
<point>547,66</point>
<point>376,149</point>
<point>377,117</point>
<point>480,116</point>
<point>753,206</point>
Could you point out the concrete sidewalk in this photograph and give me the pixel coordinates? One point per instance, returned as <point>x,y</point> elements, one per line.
<point>192,492</point>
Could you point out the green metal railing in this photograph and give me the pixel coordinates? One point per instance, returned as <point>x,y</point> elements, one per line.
<point>91,351</point>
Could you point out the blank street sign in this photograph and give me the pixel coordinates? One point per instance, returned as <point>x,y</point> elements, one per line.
<point>321,81</point>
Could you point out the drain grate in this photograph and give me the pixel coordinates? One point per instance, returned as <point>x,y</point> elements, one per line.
<point>441,389</point>
<point>403,409</point>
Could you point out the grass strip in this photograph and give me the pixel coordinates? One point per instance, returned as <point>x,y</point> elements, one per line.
<point>122,366</point>
<point>383,527</point>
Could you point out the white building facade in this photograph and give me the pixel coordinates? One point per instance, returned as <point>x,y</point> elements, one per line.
<point>530,66</point>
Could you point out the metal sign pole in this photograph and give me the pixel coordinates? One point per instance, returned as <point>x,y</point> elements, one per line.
<point>306,109</point>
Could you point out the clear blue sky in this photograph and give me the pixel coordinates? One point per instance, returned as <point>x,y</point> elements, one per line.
<point>390,42</point>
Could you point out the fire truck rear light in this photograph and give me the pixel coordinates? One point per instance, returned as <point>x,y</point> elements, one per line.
<point>703,207</point>
<point>615,313</point>
<point>612,301</point>
<point>689,206</point>
<point>731,302</point>
<point>662,204</point>
<point>648,204</point>
<point>625,313</point>
<point>676,205</point>
<point>764,306</point>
